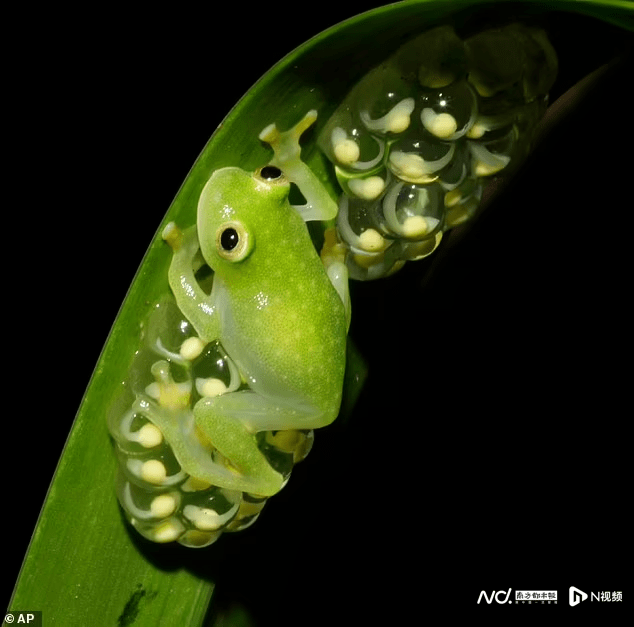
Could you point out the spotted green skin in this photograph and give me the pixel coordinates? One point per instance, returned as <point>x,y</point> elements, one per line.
<point>277,314</point>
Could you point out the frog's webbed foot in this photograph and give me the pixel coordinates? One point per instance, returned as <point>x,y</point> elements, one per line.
<point>285,144</point>
<point>287,157</point>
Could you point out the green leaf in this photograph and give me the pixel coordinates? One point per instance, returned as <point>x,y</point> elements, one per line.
<point>82,562</point>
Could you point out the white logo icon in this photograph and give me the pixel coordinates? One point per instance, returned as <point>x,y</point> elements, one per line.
<point>495,595</point>
<point>576,596</point>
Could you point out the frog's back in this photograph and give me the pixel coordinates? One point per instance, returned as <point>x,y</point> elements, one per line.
<point>286,323</point>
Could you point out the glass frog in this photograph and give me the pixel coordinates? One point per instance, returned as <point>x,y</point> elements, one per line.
<point>246,369</point>
<point>279,316</point>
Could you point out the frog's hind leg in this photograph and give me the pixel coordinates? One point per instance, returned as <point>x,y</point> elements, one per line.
<point>192,451</point>
<point>231,423</point>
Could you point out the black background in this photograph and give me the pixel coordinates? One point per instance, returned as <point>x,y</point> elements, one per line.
<point>487,451</point>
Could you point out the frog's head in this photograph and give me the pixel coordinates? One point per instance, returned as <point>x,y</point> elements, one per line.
<point>233,208</point>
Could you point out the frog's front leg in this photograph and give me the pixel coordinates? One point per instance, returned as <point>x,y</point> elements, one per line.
<point>287,157</point>
<point>191,299</point>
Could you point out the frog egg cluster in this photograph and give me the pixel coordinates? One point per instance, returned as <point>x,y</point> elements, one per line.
<point>416,139</point>
<point>172,370</point>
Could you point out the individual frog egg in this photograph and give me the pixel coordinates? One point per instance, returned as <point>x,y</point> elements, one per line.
<point>349,145</point>
<point>458,169</point>
<point>134,433</point>
<point>250,508</point>
<point>413,251</point>
<point>493,152</point>
<point>442,57</point>
<point>296,442</point>
<point>414,212</point>
<point>155,469</point>
<point>508,134</point>
<point>495,125</point>
<point>396,120</point>
<point>358,227</point>
<point>354,217</point>
<point>419,160</point>
<point>280,460</point>
<point>384,100</point>
<point>462,202</point>
<point>513,64</point>
<point>449,112</point>
<point>140,372</point>
<point>119,418</point>
<point>154,514</point>
<point>205,512</point>
<point>196,539</point>
<point>161,532</point>
<point>146,502</point>
<point>433,59</point>
<point>367,267</point>
<point>214,373</point>
<point>211,509</point>
<point>496,62</point>
<point>166,330</point>
<point>365,187</point>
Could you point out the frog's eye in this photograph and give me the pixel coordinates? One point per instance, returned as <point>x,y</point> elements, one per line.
<point>233,241</point>
<point>271,174</point>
